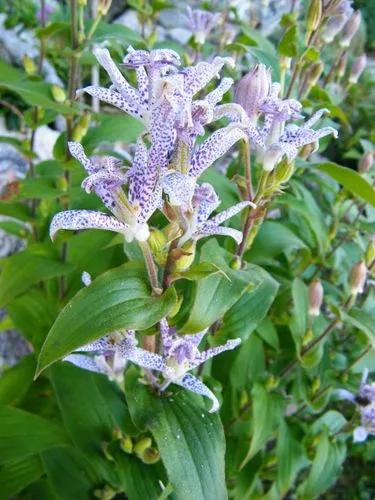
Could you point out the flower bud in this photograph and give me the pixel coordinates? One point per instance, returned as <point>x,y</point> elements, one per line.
<point>365,163</point>
<point>150,456</point>
<point>370,253</point>
<point>314,15</point>
<point>315,386</point>
<point>141,445</point>
<point>316,294</point>
<point>357,68</point>
<point>77,133</point>
<point>342,66</point>
<point>284,171</point>
<point>58,93</point>
<point>103,7</point>
<point>126,444</point>
<point>350,29</point>
<point>332,27</point>
<point>315,72</point>
<point>357,278</point>
<point>271,158</point>
<point>62,183</point>
<point>253,89</point>
<point>29,65</point>
<point>184,257</point>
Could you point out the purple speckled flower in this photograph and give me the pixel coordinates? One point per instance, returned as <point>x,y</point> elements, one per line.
<point>201,23</point>
<point>180,354</point>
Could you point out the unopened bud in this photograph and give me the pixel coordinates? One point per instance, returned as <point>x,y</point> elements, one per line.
<point>315,386</point>
<point>272,157</point>
<point>29,65</point>
<point>314,15</point>
<point>103,7</point>
<point>184,257</point>
<point>365,163</point>
<point>150,456</point>
<point>357,278</point>
<point>316,294</point>
<point>107,493</point>
<point>77,133</point>
<point>306,150</point>
<point>58,93</point>
<point>142,445</point>
<point>342,65</point>
<point>158,244</point>
<point>370,253</point>
<point>253,89</point>
<point>62,184</point>
<point>84,121</point>
<point>126,444</point>
<point>357,68</point>
<point>284,171</point>
<point>350,29</point>
<point>332,27</point>
<point>315,72</point>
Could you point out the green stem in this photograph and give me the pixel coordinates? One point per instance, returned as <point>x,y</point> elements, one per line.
<point>152,270</point>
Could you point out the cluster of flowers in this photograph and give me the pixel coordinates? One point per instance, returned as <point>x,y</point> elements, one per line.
<point>365,402</point>
<point>165,171</point>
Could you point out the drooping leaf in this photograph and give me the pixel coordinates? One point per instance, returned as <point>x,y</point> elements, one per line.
<point>350,180</point>
<point>15,381</point>
<point>190,440</point>
<point>118,299</point>
<point>23,434</point>
<point>17,475</point>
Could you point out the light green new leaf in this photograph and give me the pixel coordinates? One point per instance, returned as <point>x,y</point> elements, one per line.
<point>215,295</point>
<point>298,324</point>
<point>23,434</point>
<point>17,475</point>
<point>24,269</point>
<point>198,272</point>
<point>119,299</point>
<point>325,468</point>
<point>190,440</point>
<point>350,179</point>
<point>267,409</point>
<point>363,320</point>
<point>288,44</point>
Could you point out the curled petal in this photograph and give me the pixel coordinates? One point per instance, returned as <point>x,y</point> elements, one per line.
<point>119,82</point>
<point>197,77</point>
<point>157,57</point>
<point>114,98</point>
<point>193,384</point>
<point>77,151</point>
<point>360,434</point>
<point>214,351</point>
<point>113,178</point>
<point>84,362</point>
<point>85,219</point>
<point>233,111</point>
<point>216,95</point>
<point>344,394</point>
<point>212,229</point>
<point>214,147</point>
<point>315,117</point>
<point>142,83</point>
<point>231,212</point>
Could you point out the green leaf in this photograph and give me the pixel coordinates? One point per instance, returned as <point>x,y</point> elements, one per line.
<point>190,440</point>
<point>363,320</point>
<point>350,180</point>
<point>267,331</point>
<point>40,188</point>
<point>298,324</point>
<point>288,44</point>
<point>115,31</point>
<point>253,305</point>
<point>331,420</point>
<point>118,299</point>
<point>23,434</point>
<point>15,476</point>
<point>111,129</point>
<point>273,239</point>
<point>198,272</point>
<point>35,93</point>
<point>290,458</point>
<point>249,363</point>
<point>216,294</point>
<point>15,381</point>
<point>325,468</point>
<point>27,268</point>
<point>140,481</point>
<point>267,408</point>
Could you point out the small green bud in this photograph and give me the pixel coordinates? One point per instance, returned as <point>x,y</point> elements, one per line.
<point>126,444</point>
<point>184,257</point>
<point>29,65</point>
<point>84,121</point>
<point>314,15</point>
<point>236,263</point>
<point>58,93</point>
<point>117,433</point>
<point>315,73</point>
<point>78,133</point>
<point>284,171</point>
<point>141,445</point>
<point>158,243</point>
<point>107,493</point>
<point>272,382</point>
<point>62,184</point>
<point>370,253</point>
<point>315,386</point>
<point>105,449</point>
<point>150,456</point>
<point>103,7</point>
<point>307,338</point>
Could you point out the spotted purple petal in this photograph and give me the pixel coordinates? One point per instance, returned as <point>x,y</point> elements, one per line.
<point>193,384</point>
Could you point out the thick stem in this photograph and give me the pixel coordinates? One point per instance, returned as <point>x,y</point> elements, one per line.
<point>169,265</point>
<point>152,270</point>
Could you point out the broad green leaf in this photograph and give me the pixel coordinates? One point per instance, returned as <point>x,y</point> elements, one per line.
<point>35,93</point>
<point>350,180</point>
<point>15,381</point>
<point>215,295</point>
<point>249,363</point>
<point>140,481</point>
<point>118,299</point>
<point>298,324</point>
<point>267,331</point>
<point>267,409</point>
<point>363,320</point>
<point>115,31</point>
<point>273,239</point>
<point>331,420</point>
<point>70,474</point>
<point>190,440</point>
<point>288,44</point>
<point>23,434</point>
<point>325,468</point>
<point>290,458</point>
<point>15,476</point>
<point>27,268</point>
<point>198,272</point>
<point>17,210</point>
<point>252,307</point>
<point>111,129</point>
<point>40,188</point>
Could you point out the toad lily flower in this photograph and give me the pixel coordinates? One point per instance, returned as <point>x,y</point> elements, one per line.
<point>204,202</point>
<point>365,401</point>
<point>201,23</point>
<point>179,354</point>
<point>106,179</point>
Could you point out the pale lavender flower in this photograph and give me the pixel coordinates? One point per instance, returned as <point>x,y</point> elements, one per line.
<point>365,401</point>
<point>337,14</point>
<point>358,66</point>
<point>201,23</point>
<point>179,355</point>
